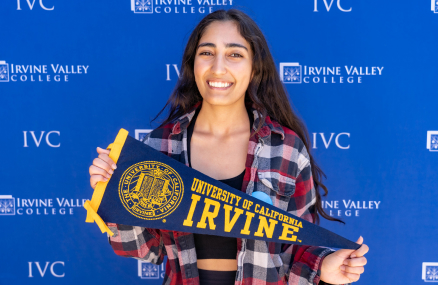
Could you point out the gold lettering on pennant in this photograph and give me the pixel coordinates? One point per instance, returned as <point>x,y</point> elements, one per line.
<point>238,199</point>
<point>206,214</point>
<point>209,186</point>
<point>224,195</point>
<point>232,197</point>
<point>213,194</point>
<point>200,186</point>
<point>288,230</point>
<point>228,196</point>
<point>188,221</point>
<point>262,211</point>
<point>195,184</point>
<point>263,225</point>
<point>230,224</point>
<point>249,217</point>
<point>218,194</point>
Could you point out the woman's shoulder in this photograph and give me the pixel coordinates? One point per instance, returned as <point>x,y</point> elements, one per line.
<point>284,135</point>
<point>157,137</point>
<point>161,132</point>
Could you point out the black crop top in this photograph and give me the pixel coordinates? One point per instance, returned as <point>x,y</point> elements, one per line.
<point>210,246</point>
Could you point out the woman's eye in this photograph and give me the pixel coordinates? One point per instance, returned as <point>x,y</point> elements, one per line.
<point>205,53</point>
<point>237,55</point>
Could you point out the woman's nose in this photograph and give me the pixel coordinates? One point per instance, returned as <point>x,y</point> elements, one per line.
<point>219,65</point>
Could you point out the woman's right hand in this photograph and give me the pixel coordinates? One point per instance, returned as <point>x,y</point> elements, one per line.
<point>102,168</point>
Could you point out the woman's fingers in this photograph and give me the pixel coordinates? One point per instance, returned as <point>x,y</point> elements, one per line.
<point>102,167</point>
<point>355,262</point>
<point>94,170</point>
<point>102,150</point>
<point>108,160</point>
<point>361,251</point>
<point>102,164</point>
<point>356,270</point>
<point>96,178</point>
<point>352,276</point>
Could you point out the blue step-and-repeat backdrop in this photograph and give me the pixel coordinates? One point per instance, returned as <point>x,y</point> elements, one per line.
<point>72,73</point>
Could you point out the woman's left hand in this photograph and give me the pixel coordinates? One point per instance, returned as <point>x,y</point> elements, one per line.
<point>345,265</point>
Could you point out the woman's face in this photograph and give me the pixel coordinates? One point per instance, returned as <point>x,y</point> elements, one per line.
<point>223,64</point>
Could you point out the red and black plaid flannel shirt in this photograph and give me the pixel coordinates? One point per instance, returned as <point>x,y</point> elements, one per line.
<point>277,164</point>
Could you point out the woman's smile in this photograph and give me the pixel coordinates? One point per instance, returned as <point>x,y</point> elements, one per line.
<point>219,85</point>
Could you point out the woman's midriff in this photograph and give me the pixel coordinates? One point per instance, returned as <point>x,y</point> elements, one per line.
<point>218,264</point>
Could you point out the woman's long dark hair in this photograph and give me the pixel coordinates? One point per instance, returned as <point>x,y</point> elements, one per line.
<point>265,91</point>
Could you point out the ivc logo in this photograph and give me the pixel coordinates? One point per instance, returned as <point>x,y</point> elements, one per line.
<point>328,6</point>
<point>42,269</point>
<point>10,206</point>
<point>327,140</point>
<point>10,72</point>
<point>32,3</point>
<point>435,6</point>
<point>293,72</point>
<point>38,139</point>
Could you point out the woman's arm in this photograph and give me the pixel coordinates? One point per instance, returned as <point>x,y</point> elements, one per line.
<point>313,264</point>
<point>128,241</point>
<point>302,262</point>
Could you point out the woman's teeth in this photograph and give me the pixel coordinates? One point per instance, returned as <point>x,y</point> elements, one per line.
<point>219,84</point>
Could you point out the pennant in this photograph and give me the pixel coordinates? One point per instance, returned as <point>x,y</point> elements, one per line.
<point>150,189</point>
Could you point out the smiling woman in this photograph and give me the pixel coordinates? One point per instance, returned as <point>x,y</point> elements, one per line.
<point>230,118</point>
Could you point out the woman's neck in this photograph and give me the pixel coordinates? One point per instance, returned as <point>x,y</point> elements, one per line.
<point>222,120</point>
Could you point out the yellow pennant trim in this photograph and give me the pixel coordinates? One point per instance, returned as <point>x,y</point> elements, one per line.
<point>93,205</point>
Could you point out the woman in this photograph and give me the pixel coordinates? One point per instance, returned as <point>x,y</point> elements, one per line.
<point>230,119</point>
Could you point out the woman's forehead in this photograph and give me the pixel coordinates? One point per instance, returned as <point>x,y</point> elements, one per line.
<point>223,33</point>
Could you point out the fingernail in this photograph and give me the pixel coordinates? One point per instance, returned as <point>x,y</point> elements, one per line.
<point>114,166</point>
<point>105,180</point>
<point>342,267</point>
<point>110,171</point>
<point>353,255</point>
<point>345,262</point>
<point>108,176</point>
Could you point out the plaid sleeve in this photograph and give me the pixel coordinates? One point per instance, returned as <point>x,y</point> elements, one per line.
<point>304,262</point>
<point>138,242</point>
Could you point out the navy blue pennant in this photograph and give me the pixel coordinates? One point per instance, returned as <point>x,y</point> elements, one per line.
<point>150,189</point>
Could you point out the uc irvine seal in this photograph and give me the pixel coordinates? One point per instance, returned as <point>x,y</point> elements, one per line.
<point>150,190</point>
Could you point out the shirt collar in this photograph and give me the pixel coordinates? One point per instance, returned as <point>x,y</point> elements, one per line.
<point>269,126</point>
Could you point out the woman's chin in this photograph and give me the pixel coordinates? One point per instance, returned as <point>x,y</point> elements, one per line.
<point>221,100</point>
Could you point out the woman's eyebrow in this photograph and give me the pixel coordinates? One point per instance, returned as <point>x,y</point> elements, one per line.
<point>228,45</point>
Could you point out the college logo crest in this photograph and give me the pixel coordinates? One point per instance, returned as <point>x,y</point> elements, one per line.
<point>290,72</point>
<point>4,71</point>
<point>150,190</point>
<point>142,6</point>
<point>7,205</point>
<point>432,140</point>
<point>430,272</point>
